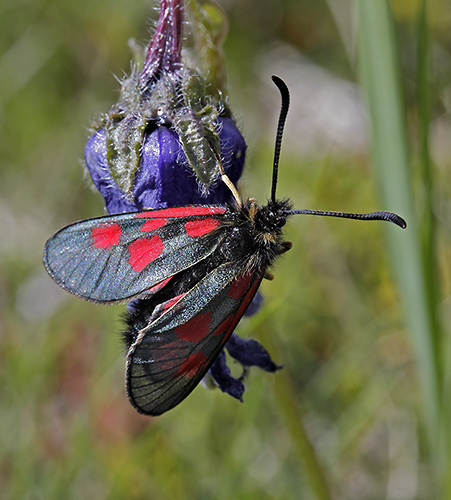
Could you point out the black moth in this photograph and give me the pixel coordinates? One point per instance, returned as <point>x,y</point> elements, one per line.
<point>192,272</point>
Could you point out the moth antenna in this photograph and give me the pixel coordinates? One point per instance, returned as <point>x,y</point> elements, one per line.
<point>285,96</point>
<point>382,215</point>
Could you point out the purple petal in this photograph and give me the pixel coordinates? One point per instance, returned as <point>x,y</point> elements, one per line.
<point>164,177</point>
<point>221,374</point>
<point>250,353</point>
<point>96,161</point>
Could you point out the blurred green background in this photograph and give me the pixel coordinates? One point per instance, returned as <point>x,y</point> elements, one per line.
<point>358,314</point>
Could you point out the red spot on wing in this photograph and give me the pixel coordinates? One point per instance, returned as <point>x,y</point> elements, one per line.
<point>249,296</point>
<point>162,308</point>
<point>225,325</point>
<point>150,213</point>
<point>169,356</point>
<point>158,286</point>
<point>144,251</point>
<point>169,303</point>
<point>107,235</point>
<point>195,329</point>
<point>199,227</point>
<point>152,224</point>
<point>192,365</point>
<point>182,212</point>
<point>239,286</point>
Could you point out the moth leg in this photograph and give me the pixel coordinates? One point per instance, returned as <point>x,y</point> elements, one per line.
<point>268,275</point>
<point>284,247</point>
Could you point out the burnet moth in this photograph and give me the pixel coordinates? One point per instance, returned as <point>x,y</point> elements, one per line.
<point>195,270</point>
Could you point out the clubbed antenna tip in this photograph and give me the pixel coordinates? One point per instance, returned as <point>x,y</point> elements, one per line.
<point>382,215</point>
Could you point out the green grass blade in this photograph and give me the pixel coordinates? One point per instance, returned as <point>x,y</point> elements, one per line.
<point>290,407</point>
<point>428,226</point>
<point>382,84</point>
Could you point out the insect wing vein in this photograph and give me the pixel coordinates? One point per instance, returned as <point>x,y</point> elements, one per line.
<point>116,258</point>
<point>172,354</point>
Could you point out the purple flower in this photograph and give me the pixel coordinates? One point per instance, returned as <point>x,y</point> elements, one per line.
<point>159,147</point>
<point>164,177</point>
